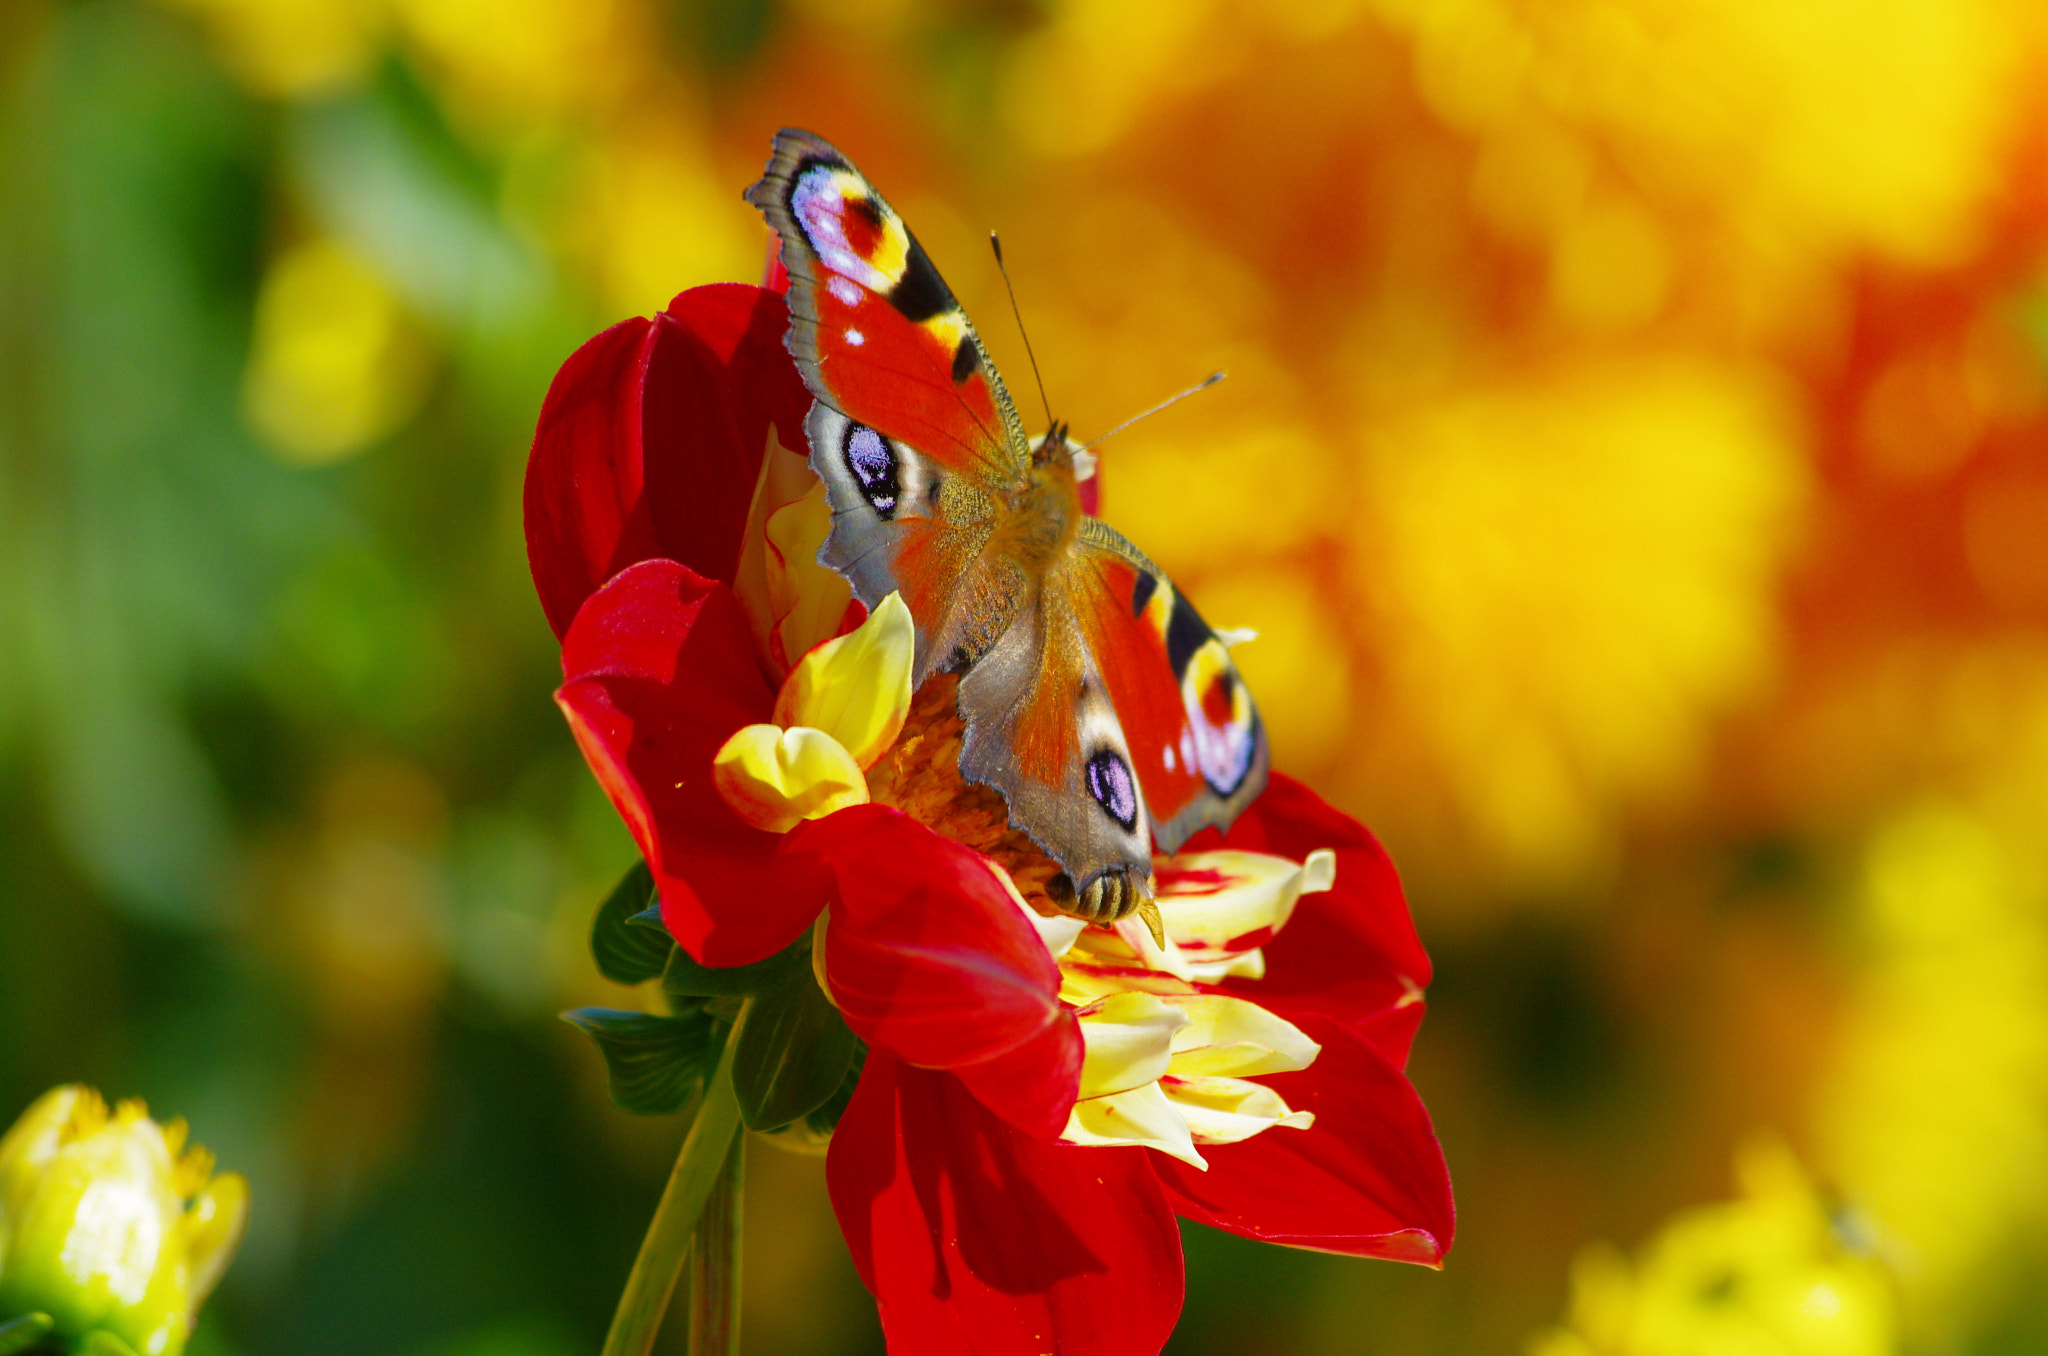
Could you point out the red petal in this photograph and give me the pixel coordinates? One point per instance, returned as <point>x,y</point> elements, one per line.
<point>650,443</point>
<point>1368,1178</point>
<point>977,1239</point>
<point>660,670</point>
<point>930,958</point>
<point>1350,952</point>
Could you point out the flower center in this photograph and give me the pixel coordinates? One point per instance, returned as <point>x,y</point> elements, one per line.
<point>920,775</point>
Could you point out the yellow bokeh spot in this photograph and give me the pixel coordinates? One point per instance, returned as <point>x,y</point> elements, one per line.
<point>653,217</point>
<point>336,364</point>
<point>1932,1111</point>
<point>1573,577</point>
<point>1765,1273</point>
<point>298,50</point>
<point>1611,269</point>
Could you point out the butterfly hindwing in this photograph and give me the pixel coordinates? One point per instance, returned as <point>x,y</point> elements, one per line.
<point>900,522</point>
<point>875,330</point>
<point>1198,746</point>
<point>1042,728</point>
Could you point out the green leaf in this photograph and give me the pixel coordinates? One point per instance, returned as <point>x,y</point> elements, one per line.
<point>825,1119</point>
<point>626,949</point>
<point>687,977</point>
<point>22,1333</point>
<point>100,1342</point>
<point>656,1064</point>
<point>793,1051</point>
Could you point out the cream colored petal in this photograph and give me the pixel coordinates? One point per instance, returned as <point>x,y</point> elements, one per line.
<point>1140,1116</point>
<point>1167,959</point>
<point>856,687</point>
<point>1128,1042</point>
<point>1247,965</point>
<point>1218,904</point>
<point>1235,1037</point>
<point>775,778</point>
<point>1226,1110</point>
<point>1082,984</point>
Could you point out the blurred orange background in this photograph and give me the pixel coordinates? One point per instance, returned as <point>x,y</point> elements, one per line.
<point>1634,461</point>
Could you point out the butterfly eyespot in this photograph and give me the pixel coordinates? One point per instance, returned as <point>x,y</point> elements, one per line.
<point>1114,789</point>
<point>873,463</point>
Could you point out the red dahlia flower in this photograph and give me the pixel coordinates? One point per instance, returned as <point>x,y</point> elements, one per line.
<point>1040,1098</point>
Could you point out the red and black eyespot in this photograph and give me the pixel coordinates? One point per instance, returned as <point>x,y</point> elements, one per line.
<point>862,224</point>
<point>1219,701</point>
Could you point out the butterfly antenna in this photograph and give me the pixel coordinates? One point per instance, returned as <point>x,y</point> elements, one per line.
<point>1204,384</point>
<point>996,243</point>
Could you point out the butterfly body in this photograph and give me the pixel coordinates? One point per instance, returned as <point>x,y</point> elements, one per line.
<point>1092,695</point>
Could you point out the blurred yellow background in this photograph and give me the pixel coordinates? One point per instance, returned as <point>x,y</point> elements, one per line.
<point>1634,461</point>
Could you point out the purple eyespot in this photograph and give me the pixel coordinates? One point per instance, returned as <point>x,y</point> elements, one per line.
<point>1110,782</point>
<point>873,463</point>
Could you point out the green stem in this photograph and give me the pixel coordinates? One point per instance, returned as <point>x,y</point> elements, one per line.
<point>699,1168</point>
<point>715,1264</point>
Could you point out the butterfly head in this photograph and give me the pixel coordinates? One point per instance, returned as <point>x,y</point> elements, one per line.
<point>1054,447</point>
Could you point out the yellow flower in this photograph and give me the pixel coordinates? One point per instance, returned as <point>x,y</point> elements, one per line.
<point>1766,1275</point>
<point>112,1228</point>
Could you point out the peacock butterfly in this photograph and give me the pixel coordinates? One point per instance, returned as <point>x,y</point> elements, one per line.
<point>1093,696</point>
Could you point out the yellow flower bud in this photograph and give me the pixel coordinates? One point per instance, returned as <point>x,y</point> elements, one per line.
<point>110,1224</point>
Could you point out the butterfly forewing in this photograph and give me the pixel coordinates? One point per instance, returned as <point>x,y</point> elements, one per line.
<point>876,331</point>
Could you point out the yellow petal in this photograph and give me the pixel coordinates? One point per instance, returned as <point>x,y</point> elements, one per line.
<point>1213,901</point>
<point>1232,1036</point>
<point>1140,1116</point>
<point>211,1228</point>
<point>808,599</point>
<point>1128,1042</point>
<point>856,687</point>
<point>34,1140</point>
<point>1226,1110</point>
<point>775,778</point>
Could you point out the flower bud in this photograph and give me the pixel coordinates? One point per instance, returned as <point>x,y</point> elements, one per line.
<point>110,1224</point>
